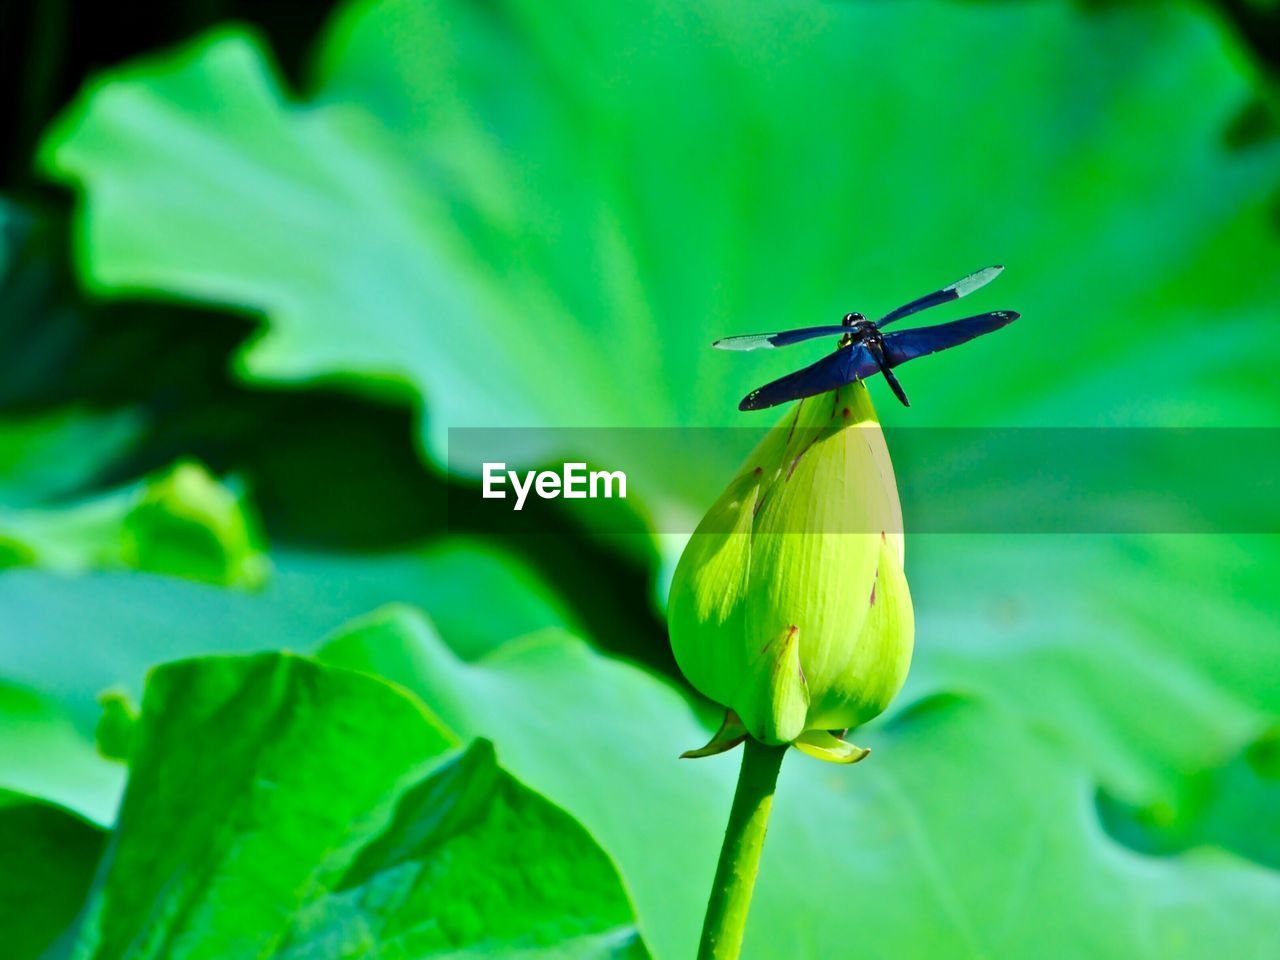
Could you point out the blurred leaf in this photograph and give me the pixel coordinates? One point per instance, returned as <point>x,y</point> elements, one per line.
<point>964,833</point>
<point>181,521</point>
<point>275,808</point>
<point>480,597</point>
<point>592,220</point>
<point>71,537</point>
<point>1235,806</point>
<point>1100,636</point>
<point>47,860</point>
<point>186,523</point>
<point>45,755</point>
<point>48,457</point>
<point>73,637</point>
<point>117,726</point>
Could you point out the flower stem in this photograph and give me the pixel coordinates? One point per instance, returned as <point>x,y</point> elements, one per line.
<point>740,855</point>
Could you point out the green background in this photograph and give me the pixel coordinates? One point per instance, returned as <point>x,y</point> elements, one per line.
<point>256,699</point>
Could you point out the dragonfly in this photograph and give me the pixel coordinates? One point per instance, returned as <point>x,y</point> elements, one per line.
<point>864,350</point>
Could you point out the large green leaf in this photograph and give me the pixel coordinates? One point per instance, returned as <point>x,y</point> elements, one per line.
<point>543,219</point>
<point>965,834</point>
<point>276,808</point>
<point>253,785</point>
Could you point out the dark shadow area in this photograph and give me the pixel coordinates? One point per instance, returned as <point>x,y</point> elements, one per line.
<point>48,48</point>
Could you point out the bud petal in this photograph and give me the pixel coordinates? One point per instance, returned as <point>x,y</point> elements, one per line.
<point>774,694</point>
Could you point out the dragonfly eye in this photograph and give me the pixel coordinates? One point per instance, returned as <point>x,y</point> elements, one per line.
<point>853,318</point>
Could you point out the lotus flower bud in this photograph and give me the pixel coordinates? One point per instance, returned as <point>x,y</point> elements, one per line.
<point>789,605</point>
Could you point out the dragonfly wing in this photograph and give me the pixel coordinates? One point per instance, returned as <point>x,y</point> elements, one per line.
<point>783,338</point>
<point>953,291</point>
<point>834,370</point>
<point>908,344</point>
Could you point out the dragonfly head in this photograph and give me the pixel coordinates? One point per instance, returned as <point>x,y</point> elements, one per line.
<point>853,319</point>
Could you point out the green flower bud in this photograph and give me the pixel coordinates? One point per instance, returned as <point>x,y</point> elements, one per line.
<point>789,605</point>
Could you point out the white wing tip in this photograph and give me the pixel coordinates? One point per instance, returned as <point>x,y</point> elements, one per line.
<point>748,342</point>
<point>979,278</point>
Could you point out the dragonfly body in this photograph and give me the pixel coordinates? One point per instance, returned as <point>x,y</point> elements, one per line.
<point>864,349</point>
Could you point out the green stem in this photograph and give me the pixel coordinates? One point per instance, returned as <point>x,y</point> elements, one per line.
<point>740,856</point>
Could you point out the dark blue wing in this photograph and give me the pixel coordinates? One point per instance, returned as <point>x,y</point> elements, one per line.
<point>948,293</point>
<point>908,344</point>
<point>834,370</point>
<point>757,341</point>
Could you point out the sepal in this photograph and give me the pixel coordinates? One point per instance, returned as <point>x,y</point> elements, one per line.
<point>827,746</point>
<point>731,733</point>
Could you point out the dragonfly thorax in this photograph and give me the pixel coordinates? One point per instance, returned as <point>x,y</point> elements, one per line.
<point>860,329</point>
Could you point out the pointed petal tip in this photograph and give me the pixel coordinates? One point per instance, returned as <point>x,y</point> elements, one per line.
<point>711,750</point>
